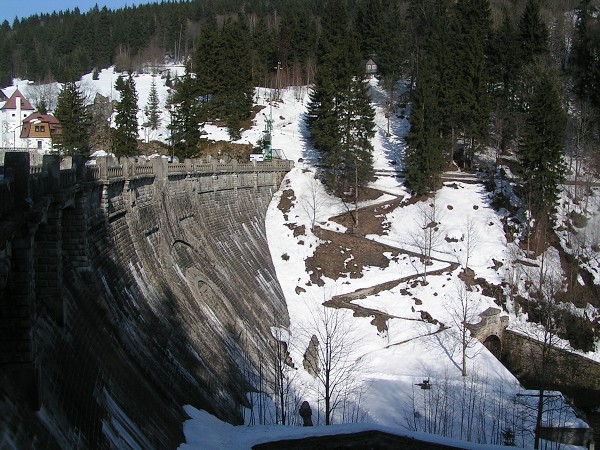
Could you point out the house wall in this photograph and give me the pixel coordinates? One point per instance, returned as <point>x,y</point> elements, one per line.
<point>42,133</point>
<point>10,119</point>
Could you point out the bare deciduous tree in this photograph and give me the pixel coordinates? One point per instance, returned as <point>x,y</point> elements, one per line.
<point>333,366</point>
<point>463,306</point>
<point>287,399</point>
<point>43,96</point>
<point>314,200</point>
<point>428,235</point>
<point>471,240</point>
<point>546,283</point>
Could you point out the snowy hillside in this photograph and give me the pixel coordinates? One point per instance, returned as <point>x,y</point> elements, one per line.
<point>403,325</point>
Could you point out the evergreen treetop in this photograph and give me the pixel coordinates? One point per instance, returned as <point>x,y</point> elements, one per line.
<point>126,133</point>
<point>74,119</point>
<point>541,144</point>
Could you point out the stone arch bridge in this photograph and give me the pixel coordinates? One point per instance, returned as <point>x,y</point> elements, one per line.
<point>521,354</point>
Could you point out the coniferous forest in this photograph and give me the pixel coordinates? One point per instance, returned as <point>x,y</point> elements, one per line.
<point>497,74</point>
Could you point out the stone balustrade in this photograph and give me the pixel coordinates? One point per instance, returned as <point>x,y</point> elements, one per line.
<point>55,174</point>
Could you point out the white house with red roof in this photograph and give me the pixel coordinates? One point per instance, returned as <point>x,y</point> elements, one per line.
<point>12,113</point>
<point>39,131</point>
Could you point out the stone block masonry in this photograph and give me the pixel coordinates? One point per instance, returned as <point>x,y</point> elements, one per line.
<point>128,289</point>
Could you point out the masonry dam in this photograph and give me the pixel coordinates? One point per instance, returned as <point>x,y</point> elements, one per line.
<point>128,290</point>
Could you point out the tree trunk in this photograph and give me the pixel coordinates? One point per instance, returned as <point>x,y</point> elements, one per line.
<point>538,420</point>
<point>327,400</point>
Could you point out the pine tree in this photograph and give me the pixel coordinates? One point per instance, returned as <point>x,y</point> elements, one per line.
<point>504,74</point>
<point>357,129</point>
<point>533,33</point>
<point>126,133</point>
<point>424,158</point>
<point>541,146</point>
<point>74,119</point>
<point>434,101</point>
<point>472,97</point>
<point>336,68</point>
<point>585,56</point>
<point>236,92</point>
<point>185,112</point>
<point>152,107</point>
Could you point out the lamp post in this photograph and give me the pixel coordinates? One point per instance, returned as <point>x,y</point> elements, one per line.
<point>169,108</point>
<point>15,136</point>
<point>278,81</point>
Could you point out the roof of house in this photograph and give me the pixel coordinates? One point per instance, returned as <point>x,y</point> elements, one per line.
<point>11,103</point>
<point>37,118</point>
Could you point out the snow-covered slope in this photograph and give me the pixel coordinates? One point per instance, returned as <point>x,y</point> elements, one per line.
<point>392,361</point>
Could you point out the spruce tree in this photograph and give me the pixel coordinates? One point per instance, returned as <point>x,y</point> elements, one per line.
<point>435,99</point>
<point>236,91</point>
<point>504,74</point>
<point>126,133</point>
<point>152,107</point>
<point>357,129</point>
<point>541,145</point>
<point>369,25</point>
<point>222,70</point>
<point>185,116</point>
<point>585,59</point>
<point>424,158</point>
<point>336,67</point>
<point>472,96</point>
<point>203,67</point>
<point>533,33</point>
<point>74,119</point>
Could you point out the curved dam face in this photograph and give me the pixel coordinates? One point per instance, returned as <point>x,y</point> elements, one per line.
<point>128,291</point>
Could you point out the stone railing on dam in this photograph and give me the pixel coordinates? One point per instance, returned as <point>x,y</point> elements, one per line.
<point>128,289</point>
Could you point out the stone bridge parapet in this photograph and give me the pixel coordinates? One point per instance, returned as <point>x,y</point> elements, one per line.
<point>490,330</point>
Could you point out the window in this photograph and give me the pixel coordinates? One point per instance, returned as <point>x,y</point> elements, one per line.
<point>39,145</point>
<point>40,128</point>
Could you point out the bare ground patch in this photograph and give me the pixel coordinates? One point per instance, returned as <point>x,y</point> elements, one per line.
<point>345,255</point>
<point>286,202</point>
<point>371,219</point>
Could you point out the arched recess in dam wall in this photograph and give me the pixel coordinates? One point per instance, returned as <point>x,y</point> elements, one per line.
<point>128,290</point>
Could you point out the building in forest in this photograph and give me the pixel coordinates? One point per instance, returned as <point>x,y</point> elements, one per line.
<point>12,113</point>
<point>39,131</point>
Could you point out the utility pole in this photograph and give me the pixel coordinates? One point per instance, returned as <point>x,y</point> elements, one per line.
<point>539,415</point>
<point>278,81</point>
<point>538,420</point>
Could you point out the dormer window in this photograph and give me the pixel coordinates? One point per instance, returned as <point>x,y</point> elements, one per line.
<point>40,128</point>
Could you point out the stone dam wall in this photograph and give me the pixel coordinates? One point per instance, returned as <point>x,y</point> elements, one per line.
<point>128,290</point>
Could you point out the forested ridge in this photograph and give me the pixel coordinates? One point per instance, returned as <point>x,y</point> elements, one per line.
<point>64,45</point>
<point>481,74</point>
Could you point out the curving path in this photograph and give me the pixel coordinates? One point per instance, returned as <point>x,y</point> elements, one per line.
<point>381,318</point>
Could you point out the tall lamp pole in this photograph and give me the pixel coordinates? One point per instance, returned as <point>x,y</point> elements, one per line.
<point>15,135</point>
<point>170,110</point>
<point>278,80</point>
